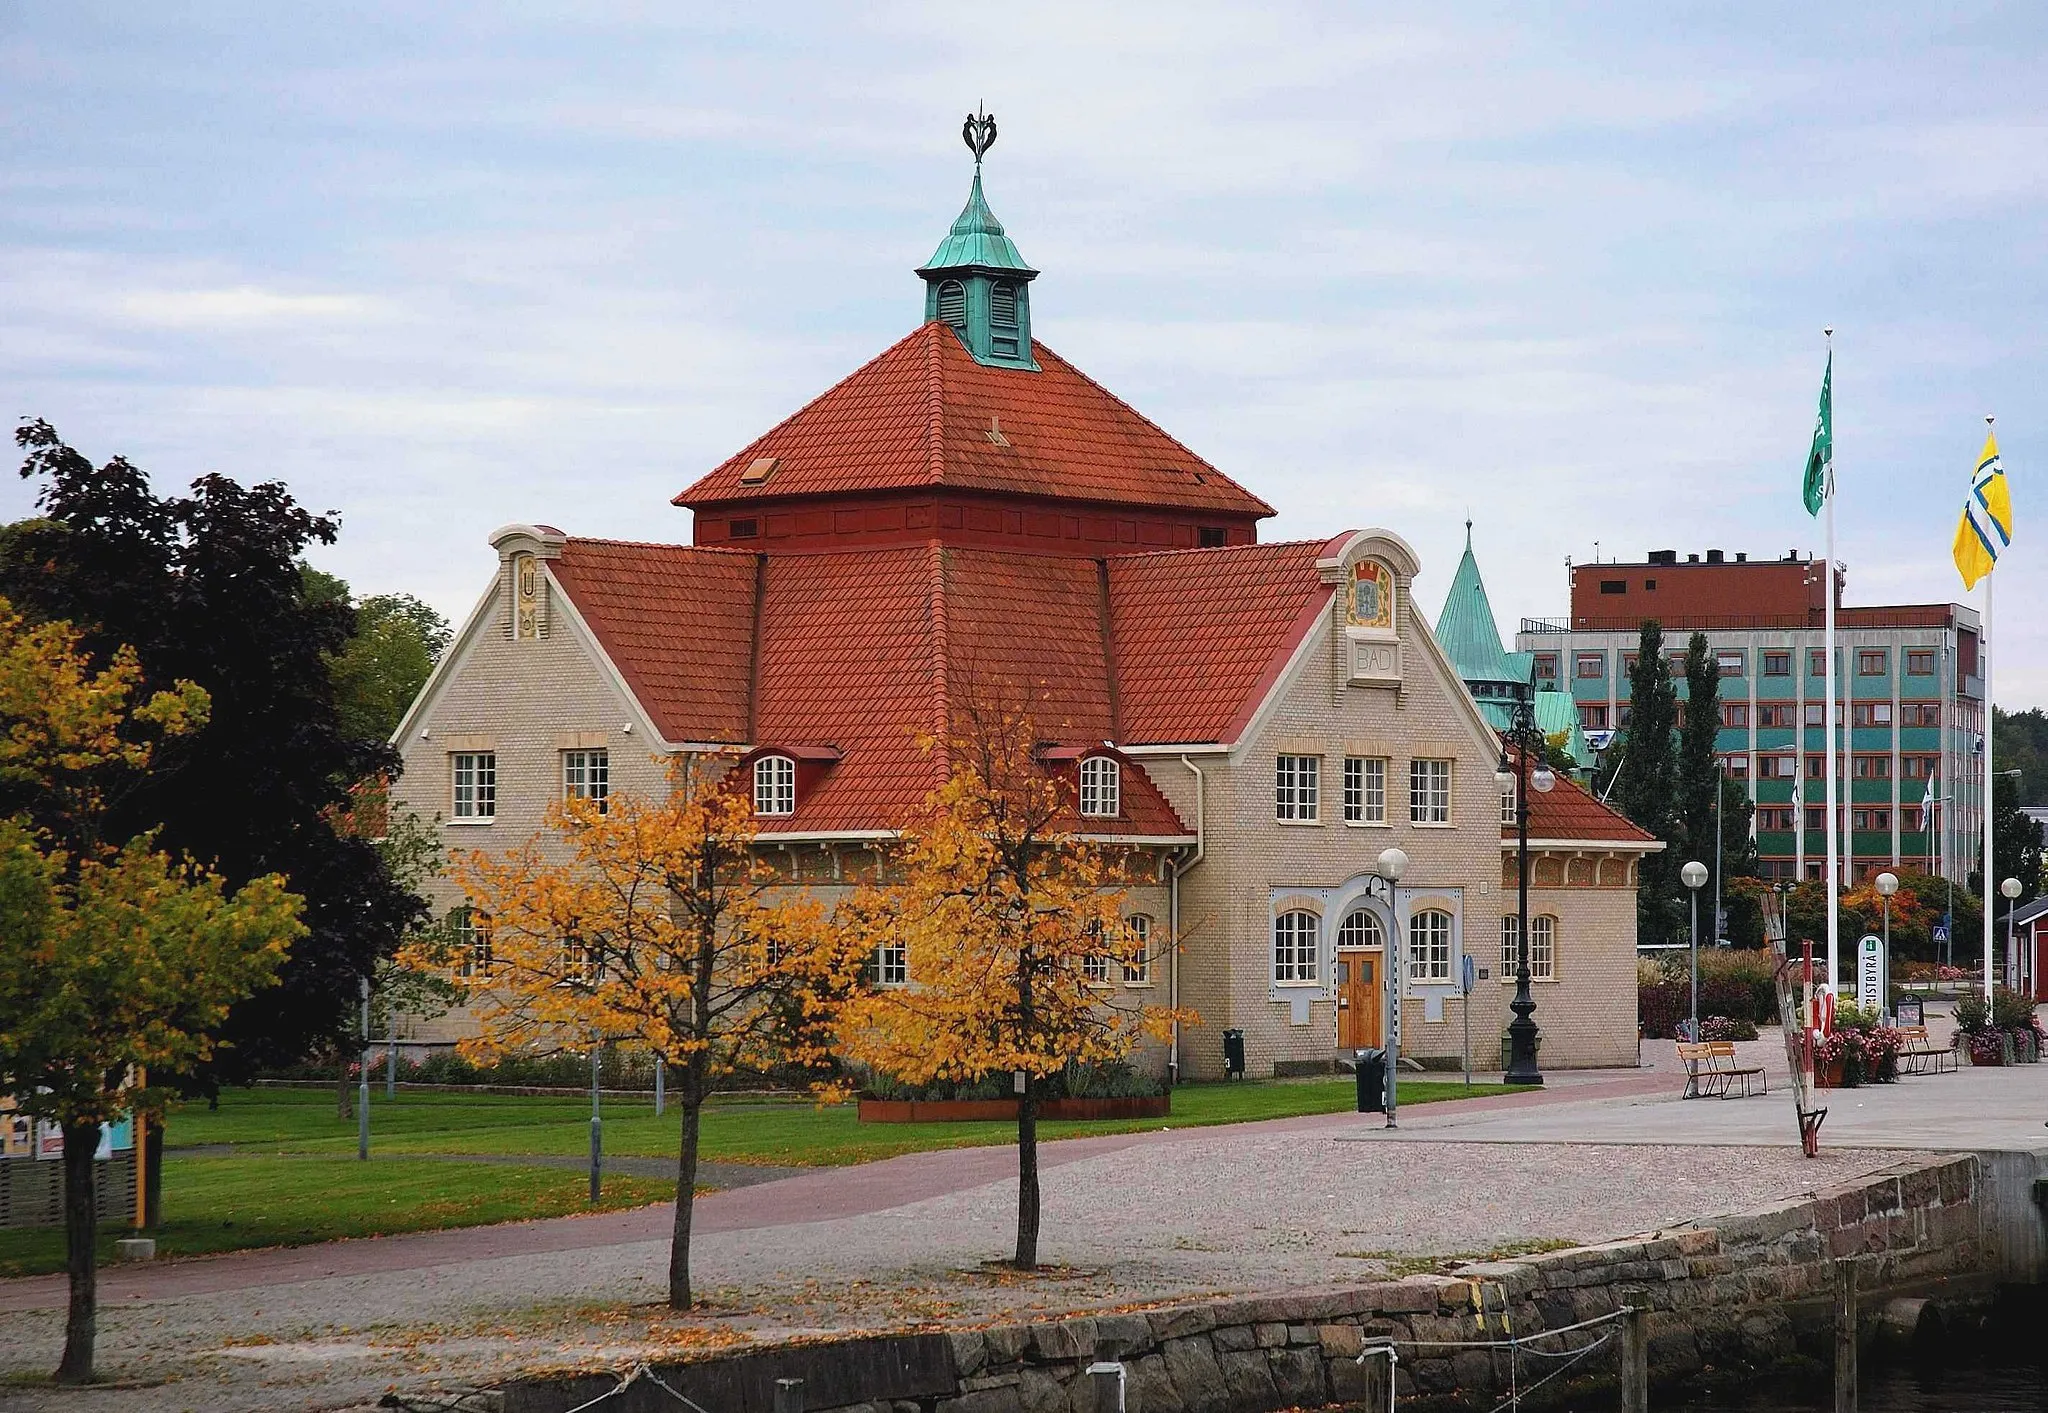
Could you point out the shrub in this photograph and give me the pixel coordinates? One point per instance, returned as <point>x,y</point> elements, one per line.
<point>1973,1013</point>
<point>1726,1028</point>
<point>2011,1010</point>
<point>1110,1080</point>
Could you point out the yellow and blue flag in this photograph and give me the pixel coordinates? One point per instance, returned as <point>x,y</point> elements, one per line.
<point>1986,526</point>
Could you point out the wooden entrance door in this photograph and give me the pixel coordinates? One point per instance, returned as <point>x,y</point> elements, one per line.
<point>1358,1000</point>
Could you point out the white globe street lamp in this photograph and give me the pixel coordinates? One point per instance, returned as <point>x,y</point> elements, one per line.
<point>1693,875</point>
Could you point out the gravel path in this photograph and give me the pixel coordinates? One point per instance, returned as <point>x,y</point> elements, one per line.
<point>1151,1218</point>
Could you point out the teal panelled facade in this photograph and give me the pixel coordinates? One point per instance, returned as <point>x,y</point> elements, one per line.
<point>978,284</point>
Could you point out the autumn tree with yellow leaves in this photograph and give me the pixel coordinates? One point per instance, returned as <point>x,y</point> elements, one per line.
<point>112,961</point>
<point>657,923</point>
<point>1008,918</point>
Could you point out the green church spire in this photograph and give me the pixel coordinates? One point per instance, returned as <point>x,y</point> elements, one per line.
<point>976,281</point>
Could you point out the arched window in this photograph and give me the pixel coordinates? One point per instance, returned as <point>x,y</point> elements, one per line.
<point>1101,787</point>
<point>774,785</point>
<point>1002,306</point>
<point>953,303</point>
<point>1429,946</point>
<point>1294,947</point>
<point>1138,950</point>
<point>1360,929</point>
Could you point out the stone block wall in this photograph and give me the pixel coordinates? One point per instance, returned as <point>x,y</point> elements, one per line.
<point>1732,1292</point>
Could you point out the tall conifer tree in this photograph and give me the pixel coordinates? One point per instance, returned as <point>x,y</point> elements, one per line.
<point>1646,785</point>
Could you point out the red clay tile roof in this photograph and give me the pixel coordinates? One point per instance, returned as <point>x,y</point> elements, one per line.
<point>864,651</point>
<point>919,414</point>
<point>1200,635</point>
<point>1567,811</point>
<point>678,622</point>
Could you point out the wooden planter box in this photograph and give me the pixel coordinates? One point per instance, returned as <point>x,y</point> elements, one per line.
<point>928,1111</point>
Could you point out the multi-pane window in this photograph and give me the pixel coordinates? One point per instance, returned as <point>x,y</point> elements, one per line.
<point>1816,818</point>
<point>1774,714</point>
<point>1920,663</point>
<point>1735,714</point>
<point>1546,667</point>
<point>1777,767</point>
<point>1296,787</point>
<point>1816,714</point>
<point>1095,968</point>
<point>891,966</point>
<point>1735,767</point>
<point>587,775</point>
<point>1542,947</point>
<point>472,942</point>
<point>1360,929</point>
<point>1507,805</point>
<point>1870,663</point>
<point>1816,767</point>
<point>1137,950</point>
<point>1776,817</point>
<point>1872,768</point>
<point>1919,767</point>
<point>1593,716</point>
<point>1920,714</point>
<point>581,964</point>
<point>1429,792</point>
<point>1101,787</point>
<point>476,784</point>
<point>1365,790</point>
<point>1872,714</point>
<point>1589,665</point>
<point>1817,662</point>
<point>1429,946</point>
<point>1873,819</point>
<point>1294,947</point>
<point>775,785</point>
<point>1777,664</point>
<point>1731,663</point>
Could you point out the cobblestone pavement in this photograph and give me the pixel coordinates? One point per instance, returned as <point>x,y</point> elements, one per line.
<point>1137,1219</point>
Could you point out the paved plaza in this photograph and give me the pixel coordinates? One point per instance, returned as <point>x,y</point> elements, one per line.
<point>1129,1219</point>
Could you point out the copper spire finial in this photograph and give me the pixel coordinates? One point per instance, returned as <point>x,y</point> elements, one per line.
<point>979,132</point>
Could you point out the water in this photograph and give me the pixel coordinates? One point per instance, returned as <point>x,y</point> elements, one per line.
<point>1976,1388</point>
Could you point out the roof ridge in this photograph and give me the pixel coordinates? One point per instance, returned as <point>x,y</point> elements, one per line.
<point>935,402</point>
<point>837,383</point>
<point>655,544</point>
<point>1039,347</point>
<point>1219,549</point>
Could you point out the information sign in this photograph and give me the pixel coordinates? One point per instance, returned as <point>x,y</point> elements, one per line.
<point>1870,973</point>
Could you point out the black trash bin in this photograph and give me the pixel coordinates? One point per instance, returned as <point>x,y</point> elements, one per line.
<point>1233,1054</point>
<point>1372,1081</point>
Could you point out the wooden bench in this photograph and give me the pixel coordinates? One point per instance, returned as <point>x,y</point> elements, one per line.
<point>1710,1069</point>
<point>1920,1057</point>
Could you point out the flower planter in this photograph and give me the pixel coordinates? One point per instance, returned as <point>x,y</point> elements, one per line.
<point>926,1111</point>
<point>1989,1048</point>
<point>1828,1074</point>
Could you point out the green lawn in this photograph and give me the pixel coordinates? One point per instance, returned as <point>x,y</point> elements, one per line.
<point>787,1133</point>
<point>228,1204</point>
<point>275,1167</point>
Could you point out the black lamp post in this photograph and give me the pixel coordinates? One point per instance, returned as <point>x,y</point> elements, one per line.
<point>1518,742</point>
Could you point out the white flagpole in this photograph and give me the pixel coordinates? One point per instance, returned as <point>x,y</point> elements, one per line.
<point>1984,655</point>
<point>1828,712</point>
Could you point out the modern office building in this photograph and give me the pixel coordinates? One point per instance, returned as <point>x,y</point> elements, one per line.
<point>1909,700</point>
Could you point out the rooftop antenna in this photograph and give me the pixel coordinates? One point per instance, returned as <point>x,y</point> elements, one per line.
<point>979,133</point>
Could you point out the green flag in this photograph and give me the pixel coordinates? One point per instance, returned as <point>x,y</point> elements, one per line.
<point>1820,461</point>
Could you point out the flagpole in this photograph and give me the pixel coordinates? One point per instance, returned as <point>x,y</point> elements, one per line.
<point>1990,883</point>
<point>1828,713</point>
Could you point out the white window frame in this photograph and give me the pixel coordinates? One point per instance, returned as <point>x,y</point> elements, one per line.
<point>1137,959</point>
<point>1730,662</point>
<point>473,782</point>
<point>1101,787</point>
<point>1095,968</point>
<point>1542,947</point>
<point>587,775</point>
<point>1429,805</point>
<point>472,943</point>
<point>890,965</point>
<point>1429,955</point>
<point>1367,935</point>
<point>1297,789</point>
<point>1507,805</point>
<point>1365,789</point>
<point>1297,944</point>
<point>775,786</point>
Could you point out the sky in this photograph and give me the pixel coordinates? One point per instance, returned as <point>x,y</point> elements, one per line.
<point>1563,269</point>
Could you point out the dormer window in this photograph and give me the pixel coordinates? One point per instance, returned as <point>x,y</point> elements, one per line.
<point>1101,787</point>
<point>775,785</point>
<point>953,304</point>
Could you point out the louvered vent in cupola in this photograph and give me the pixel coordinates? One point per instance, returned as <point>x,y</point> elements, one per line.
<point>1002,306</point>
<point>953,304</point>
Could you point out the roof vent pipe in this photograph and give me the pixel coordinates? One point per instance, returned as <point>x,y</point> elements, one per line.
<point>1715,557</point>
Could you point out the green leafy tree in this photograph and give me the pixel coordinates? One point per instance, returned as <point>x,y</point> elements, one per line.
<point>2015,845</point>
<point>207,588</point>
<point>113,960</point>
<point>378,672</point>
<point>1699,763</point>
<point>1642,783</point>
<point>2020,739</point>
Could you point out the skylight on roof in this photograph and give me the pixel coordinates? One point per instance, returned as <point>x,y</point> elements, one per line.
<point>759,470</point>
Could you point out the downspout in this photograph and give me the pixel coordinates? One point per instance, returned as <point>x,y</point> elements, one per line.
<point>1173,919</point>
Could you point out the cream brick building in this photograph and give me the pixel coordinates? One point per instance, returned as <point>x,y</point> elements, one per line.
<point>966,514</point>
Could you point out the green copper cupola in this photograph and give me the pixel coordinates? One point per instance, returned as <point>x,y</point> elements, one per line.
<point>976,283</point>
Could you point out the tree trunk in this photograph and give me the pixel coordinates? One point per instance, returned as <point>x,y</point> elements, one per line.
<point>152,1175</point>
<point>1027,1175</point>
<point>686,1192</point>
<point>81,1230</point>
